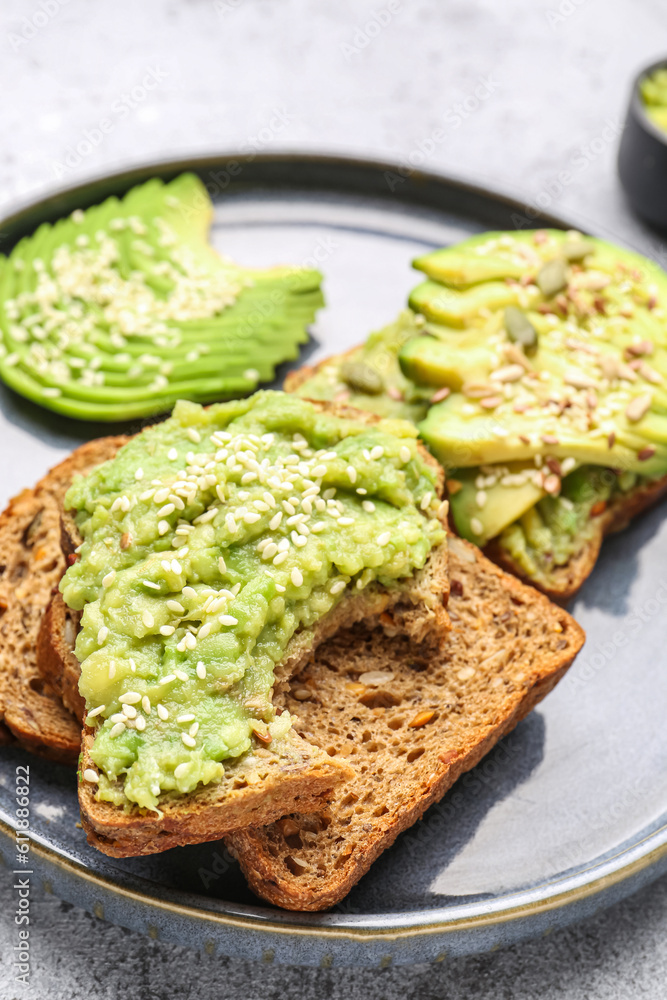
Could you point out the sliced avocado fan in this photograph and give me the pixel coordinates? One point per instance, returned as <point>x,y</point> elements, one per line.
<point>118,311</point>
<point>554,349</point>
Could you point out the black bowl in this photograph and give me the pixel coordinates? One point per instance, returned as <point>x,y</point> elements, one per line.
<point>642,157</point>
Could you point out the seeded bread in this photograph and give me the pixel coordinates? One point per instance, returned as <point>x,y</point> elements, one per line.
<point>565,581</point>
<point>31,563</point>
<point>409,726</point>
<point>266,783</point>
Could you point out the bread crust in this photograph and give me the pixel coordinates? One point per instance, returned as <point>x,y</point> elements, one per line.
<point>31,563</point>
<point>568,579</point>
<point>271,858</point>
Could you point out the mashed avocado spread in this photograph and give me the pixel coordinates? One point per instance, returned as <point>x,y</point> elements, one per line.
<point>208,541</point>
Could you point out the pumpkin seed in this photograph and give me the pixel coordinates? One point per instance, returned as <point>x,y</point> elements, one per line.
<point>520,330</point>
<point>552,277</point>
<point>576,249</point>
<point>362,378</point>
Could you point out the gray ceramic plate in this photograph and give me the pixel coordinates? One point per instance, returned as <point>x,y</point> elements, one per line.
<point>567,815</point>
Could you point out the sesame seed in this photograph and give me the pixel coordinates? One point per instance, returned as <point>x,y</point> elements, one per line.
<point>95,711</point>
<point>228,620</point>
<point>188,717</point>
<point>194,435</point>
<point>176,607</point>
<point>102,635</point>
<point>130,711</point>
<point>168,508</point>
<point>274,523</point>
<point>162,527</point>
<point>201,671</point>
<point>130,698</point>
<point>426,500</point>
<point>172,454</point>
<point>477,526</point>
<point>194,729</point>
<point>147,619</point>
<point>139,474</point>
<point>384,538</point>
<point>109,578</point>
<point>146,704</point>
<point>112,670</point>
<point>204,630</point>
<point>140,723</point>
<point>280,558</point>
<point>188,740</point>
<point>91,775</point>
<point>117,730</point>
<point>167,629</point>
<point>222,565</point>
<point>162,712</point>
<point>377,452</point>
<point>345,521</point>
<point>168,679</point>
<point>368,506</point>
<point>176,567</point>
<point>296,577</point>
<point>337,587</point>
<point>351,474</point>
<point>181,770</point>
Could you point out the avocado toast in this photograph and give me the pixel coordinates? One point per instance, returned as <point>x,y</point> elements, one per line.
<point>152,740</point>
<point>543,356</point>
<point>117,311</point>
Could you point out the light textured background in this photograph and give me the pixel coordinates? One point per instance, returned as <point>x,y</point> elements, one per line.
<point>302,74</point>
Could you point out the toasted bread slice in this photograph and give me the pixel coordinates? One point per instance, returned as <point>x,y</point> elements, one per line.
<point>266,783</point>
<point>31,563</point>
<point>409,726</point>
<point>565,581</point>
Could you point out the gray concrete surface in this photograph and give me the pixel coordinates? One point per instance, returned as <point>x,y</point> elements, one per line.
<point>527,96</point>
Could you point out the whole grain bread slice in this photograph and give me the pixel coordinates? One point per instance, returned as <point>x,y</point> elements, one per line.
<point>409,726</point>
<point>565,581</point>
<point>31,564</point>
<point>289,774</point>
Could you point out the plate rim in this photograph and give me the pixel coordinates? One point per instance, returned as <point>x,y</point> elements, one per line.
<point>623,868</point>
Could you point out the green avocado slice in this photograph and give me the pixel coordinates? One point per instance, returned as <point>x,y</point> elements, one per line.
<point>119,310</point>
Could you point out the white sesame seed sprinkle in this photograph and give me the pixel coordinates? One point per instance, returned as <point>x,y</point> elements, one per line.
<point>102,635</point>
<point>296,577</point>
<point>91,775</point>
<point>383,539</point>
<point>162,712</point>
